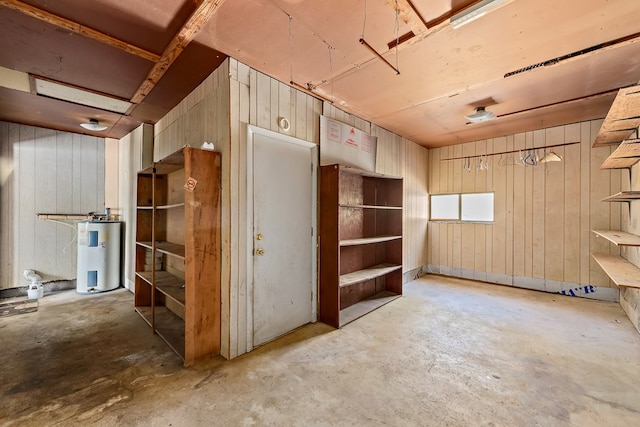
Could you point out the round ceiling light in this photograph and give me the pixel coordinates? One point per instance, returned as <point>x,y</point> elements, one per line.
<point>94,125</point>
<point>481,115</point>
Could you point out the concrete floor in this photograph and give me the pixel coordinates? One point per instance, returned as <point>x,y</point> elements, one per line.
<point>449,353</point>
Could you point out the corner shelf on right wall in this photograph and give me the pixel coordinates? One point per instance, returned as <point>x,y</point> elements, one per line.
<point>622,119</point>
<point>626,155</point>
<point>619,270</point>
<point>623,196</point>
<point>619,238</point>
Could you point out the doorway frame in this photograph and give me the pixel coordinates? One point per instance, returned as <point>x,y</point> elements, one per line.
<point>314,150</point>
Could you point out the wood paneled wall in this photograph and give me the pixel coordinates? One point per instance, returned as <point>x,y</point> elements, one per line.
<point>45,171</point>
<point>541,238</point>
<point>398,156</point>
<point>630,297</point>
<point>135,152</point>
<point>416,206</point>
<point>218,111</point>
<point>204,116</point>
<point>259,100</point>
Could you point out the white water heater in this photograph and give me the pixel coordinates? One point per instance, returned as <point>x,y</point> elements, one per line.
<point>98,256</point>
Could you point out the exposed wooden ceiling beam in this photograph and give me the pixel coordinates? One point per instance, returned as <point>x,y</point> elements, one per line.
<point>204,11</point>
<point>80,29</point>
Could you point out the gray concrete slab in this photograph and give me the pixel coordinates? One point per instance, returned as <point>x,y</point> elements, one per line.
<point>450,352</point>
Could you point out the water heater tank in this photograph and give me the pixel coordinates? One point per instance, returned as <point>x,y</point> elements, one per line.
<point>98,256</point>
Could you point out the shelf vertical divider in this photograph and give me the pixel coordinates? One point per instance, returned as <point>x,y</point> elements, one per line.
<point>153,250</point>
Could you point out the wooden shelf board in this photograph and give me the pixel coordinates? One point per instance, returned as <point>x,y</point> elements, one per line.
<point>356,171</point>
<point>625,105</point>
<point>626,149</point>
<point>623,196</point>
<point>144,275</point>
<point>626,155</point>
<point>621,271</point>
<point>619,238</point>
<point>165,248</point>
<point>368,240</point>
<point>171,163</point>
<point>355,311</point>
<point>604,139</point>
<point>145,313</point>
<point>367,274</point>
<point>167,283</point>
<point>619,163</point>
<point>622,118</point>
<point>174,291</point>
<point>144,244</point>
<point>371,207</point>
<point>172,206</point>
<point>170,249</point>
<point>170,328</point>
<point>620,125</point>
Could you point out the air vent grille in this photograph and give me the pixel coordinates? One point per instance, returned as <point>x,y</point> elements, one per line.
<point>571,55</point>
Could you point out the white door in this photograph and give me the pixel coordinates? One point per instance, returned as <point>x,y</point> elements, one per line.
<point>283,192</point>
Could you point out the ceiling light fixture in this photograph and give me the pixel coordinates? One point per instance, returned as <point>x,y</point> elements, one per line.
<point>474,12</point>
<point>80,96</point>
<point>94,125</point>
<point>481,115</point>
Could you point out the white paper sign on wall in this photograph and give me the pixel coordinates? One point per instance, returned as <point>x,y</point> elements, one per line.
<point>344,144</point>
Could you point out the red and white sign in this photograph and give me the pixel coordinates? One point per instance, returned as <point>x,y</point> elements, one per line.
<point>344,144</point>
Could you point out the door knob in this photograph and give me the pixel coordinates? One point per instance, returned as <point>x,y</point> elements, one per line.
<point>259,236</point>
<point>259,251</point>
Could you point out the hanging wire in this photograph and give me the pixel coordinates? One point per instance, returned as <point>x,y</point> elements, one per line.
<point>75,233</point>
<point>364,23</point>
<point>331,70</point>
<point>291,47</point>
<point>397,34</point>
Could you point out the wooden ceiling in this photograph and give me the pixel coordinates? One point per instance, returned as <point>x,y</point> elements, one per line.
<point>533,63</point>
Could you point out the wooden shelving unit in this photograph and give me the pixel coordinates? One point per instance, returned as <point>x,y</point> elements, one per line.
<point>360,242</point>
<point>178,251</point>
<point>621,123</point>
